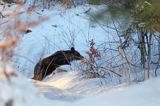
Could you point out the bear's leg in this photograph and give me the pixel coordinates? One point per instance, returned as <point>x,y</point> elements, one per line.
<point>38,72</point>
<point>48,72</point>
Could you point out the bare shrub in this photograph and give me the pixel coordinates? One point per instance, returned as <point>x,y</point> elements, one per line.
<point>66,3</point>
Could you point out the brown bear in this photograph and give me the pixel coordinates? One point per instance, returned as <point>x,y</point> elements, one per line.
<point>47,65</point>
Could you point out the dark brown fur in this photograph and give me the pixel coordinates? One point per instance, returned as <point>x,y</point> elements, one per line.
<point>46,66</point>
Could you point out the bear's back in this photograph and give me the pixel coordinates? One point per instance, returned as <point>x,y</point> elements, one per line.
<point>58,58</point>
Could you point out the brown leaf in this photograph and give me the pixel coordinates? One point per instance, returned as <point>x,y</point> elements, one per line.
<point>4,44</point>
<point>6,33</point>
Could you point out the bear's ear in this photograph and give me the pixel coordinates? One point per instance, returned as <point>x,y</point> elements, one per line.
<point>72,49</point>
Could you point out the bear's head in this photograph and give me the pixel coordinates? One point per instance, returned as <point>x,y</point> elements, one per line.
<point>76,55</point>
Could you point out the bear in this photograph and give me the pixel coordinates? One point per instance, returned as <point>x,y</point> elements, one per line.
<point>47,65</point>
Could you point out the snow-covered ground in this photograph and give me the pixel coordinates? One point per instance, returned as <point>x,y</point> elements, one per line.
<point>19,92</point>
<point>62,30</point>
<point>146,94</point>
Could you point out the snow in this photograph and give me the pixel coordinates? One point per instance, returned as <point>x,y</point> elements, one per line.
<point>23,93</point>
<point>17,91</point>
<point>67,88</point>
<point>145,94</point>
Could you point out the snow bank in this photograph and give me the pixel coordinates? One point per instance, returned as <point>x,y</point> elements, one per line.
<point>145,94</point>
<point>68,86</point>
<point>15,90</point>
